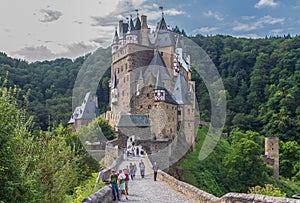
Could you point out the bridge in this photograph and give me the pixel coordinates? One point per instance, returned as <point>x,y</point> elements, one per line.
<point>167,189</point>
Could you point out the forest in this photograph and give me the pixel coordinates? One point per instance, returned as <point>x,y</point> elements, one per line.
<point>262,83</point>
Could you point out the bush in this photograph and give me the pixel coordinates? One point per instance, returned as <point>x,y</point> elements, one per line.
<point>269,190</point>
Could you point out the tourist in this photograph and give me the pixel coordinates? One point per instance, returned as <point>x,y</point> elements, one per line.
<point>121,181</point>
<point>135,169</point>
<point>155,169</point>
<point>142,168</point>
<point>126,173</point>
<point>114,185</point>
<point>131,171</point>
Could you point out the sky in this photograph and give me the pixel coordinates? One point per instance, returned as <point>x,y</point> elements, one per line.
<point>48,29</point>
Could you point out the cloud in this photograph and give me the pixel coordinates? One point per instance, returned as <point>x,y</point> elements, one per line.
<point>173,12</point>
<point>248,17</point>
<point>205,29</point>
<point>126,8</point>
<point>276,31</point>
<point>215,15</point>
<point>50,15</point>
<point>266,3</point>
<point>259,23</point>
<point>39,53</point>
<point>121,11</point>
<point>35,53</point>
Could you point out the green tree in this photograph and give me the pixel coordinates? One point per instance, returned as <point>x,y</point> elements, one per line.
<point>243,165</point>
<point>289,158</point>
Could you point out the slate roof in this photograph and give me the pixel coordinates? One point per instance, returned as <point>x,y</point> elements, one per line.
<point>87,110</point>
<point>134,120</point>
<point>157,63</point>
<point>137,24</point>
<point>181,93</point>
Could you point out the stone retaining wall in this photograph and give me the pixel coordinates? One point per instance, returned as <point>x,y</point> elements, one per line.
<point>202,196</point>
<point>104,195</point>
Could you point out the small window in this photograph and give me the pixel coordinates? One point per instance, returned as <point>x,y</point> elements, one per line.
<point>179,113</point>
<point>148,95</point>
<point>141,106</point>
<point>121,68</point>
<point>149,106</point>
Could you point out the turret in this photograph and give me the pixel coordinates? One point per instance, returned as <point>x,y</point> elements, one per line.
<point>115,44</point>
<point>131,36</point>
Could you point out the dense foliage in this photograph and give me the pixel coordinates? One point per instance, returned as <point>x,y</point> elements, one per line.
<point>40,166</point>
<point>262,82</point>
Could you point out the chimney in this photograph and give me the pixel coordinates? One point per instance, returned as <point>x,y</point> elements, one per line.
<point>120,28</point>
<point>144,21</point>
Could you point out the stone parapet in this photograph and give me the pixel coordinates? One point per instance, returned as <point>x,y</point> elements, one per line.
<point>186,189</point>
<point>104,195</point>
<point>201,196</point>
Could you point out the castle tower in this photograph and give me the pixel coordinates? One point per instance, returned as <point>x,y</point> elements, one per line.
<point>272,151</point>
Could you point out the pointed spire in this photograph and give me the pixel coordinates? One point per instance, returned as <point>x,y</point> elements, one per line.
<point>138,22</point>
<point>131,25</point>
<point>159,83</point>
<point>116,38</point>
<point>162,24</point>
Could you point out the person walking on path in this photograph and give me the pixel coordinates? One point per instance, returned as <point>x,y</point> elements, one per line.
<point>135,169</point>
<point>142,168</point>
<point>155,169</point>
<point>131,171</point>
<point>114,185</point>
<point>121,181</point>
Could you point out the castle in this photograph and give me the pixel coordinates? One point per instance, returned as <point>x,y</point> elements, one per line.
<point>152,95</point>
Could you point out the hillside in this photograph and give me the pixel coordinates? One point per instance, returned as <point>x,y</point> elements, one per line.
<point>262,82</point>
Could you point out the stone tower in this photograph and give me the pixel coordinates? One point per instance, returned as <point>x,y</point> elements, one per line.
<point>272,152</point>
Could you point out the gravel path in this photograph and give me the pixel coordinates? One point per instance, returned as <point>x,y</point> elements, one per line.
<point>148,190</point>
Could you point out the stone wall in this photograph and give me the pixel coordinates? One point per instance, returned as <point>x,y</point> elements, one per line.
<point>202,196</point>
<point>104,195</point>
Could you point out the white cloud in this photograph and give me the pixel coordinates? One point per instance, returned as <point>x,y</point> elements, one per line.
<point>205,29</point>
<point>173,12</point>
<point>34,53</point>
<point>259,23</point>
<point>250,35</point>
<point>49,15</point>
<point>276,31</point>
<point>266,3</point>
<point>215,15</point>
<point>248,17</point>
